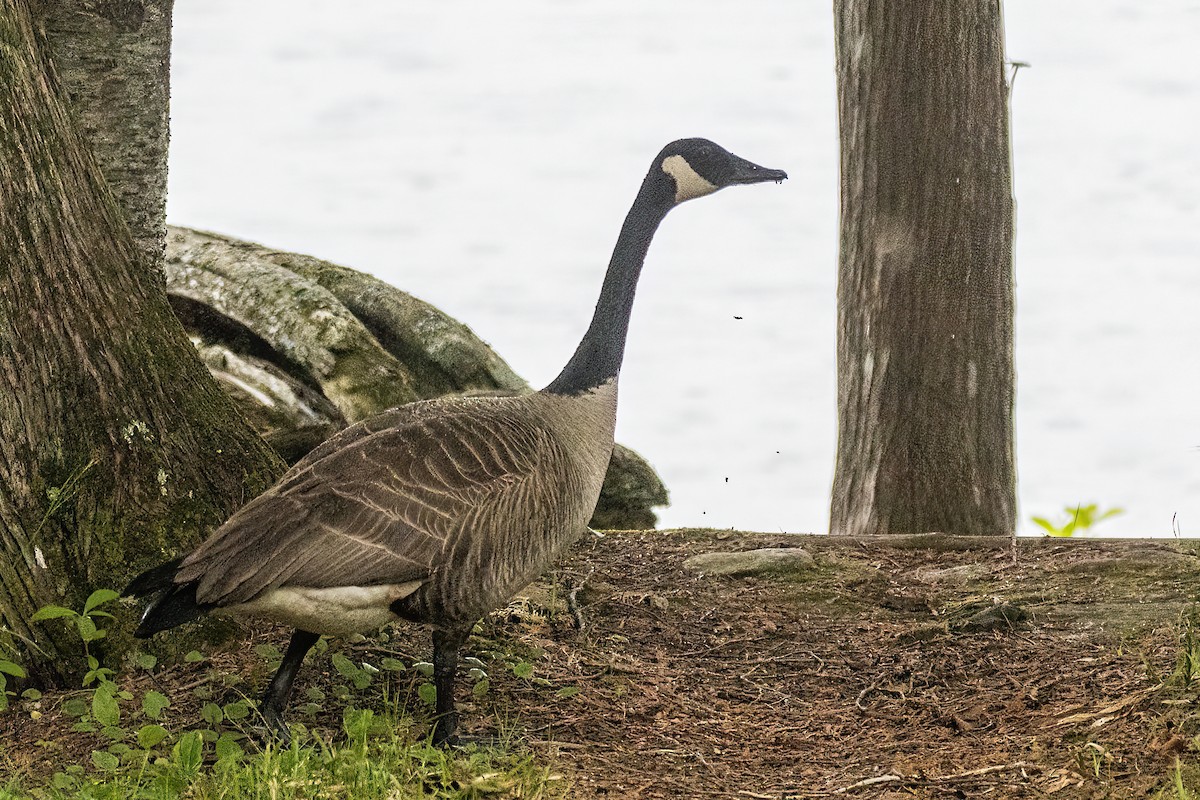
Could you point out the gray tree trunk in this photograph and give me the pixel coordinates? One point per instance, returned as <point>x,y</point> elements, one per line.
<point>114,63</point>
<point>116,446</point>
<point>925,289</point>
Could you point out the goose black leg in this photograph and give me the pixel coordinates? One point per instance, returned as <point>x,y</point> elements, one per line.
<point>446,645</point>
<point>280,688</point>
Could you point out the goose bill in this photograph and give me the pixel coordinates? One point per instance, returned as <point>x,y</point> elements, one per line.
<point>748,172</point>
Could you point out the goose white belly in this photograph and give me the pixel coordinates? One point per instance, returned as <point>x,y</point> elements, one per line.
<point>335,611</point>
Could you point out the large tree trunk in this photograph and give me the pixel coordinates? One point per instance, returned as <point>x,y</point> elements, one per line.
<point>925,290</point>
<point>113,60</point>
<point>116,446</point>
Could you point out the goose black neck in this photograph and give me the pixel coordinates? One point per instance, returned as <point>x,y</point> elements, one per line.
<point>598,357</point>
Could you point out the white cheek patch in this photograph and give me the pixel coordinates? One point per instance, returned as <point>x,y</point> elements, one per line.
<point>688,183</point>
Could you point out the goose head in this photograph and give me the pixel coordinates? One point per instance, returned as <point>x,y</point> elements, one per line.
<point>690,168</point>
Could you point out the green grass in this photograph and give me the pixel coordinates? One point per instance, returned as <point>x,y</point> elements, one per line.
<point>376,759</point>
<point>141,752</point>
<point>1180,785</point>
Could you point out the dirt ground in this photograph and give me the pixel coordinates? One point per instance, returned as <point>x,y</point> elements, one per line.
<point>912,667</point>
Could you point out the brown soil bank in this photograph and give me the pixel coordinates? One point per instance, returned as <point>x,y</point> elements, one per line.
<point>927,667</point>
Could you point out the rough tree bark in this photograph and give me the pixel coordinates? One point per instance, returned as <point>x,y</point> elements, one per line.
<point>925,290</point>
<point>113,60</point>
<point>116,446</point>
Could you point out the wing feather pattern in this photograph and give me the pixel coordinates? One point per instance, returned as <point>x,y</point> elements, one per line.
<point>378,503</point>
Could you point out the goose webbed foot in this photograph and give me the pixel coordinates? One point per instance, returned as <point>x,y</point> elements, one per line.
<point>274,727</point>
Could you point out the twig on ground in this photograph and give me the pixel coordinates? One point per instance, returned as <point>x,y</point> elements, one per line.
<point>573,600</point>
<point>956,777</point>
<point>861,695</point>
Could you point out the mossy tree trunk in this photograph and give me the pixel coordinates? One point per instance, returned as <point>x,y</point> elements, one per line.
<point>925,290</point>
<point>116,446</point>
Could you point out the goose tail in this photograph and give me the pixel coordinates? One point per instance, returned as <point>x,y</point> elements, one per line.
<point>173,603</point>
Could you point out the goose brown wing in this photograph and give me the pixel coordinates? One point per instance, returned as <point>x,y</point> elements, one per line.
<point>378,509</point>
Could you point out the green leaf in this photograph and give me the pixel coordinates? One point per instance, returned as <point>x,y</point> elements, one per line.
<point>145,660</point>
<point>348,669</point>
<point>392,664</point>
<point>87,629</point>
<point>344,665</point>
<point>193,656</point>
<point>104,706</point>
<point>101,674</point>
<point>154,703</point>
<point>428,693</point>
<point>480,687</point>
<point>239,709</point>
<point>52,612</point>
<point>188,752</point>
<point>99,598</point>
<point>212,714</point>
<point>228,749</point>
<point>567,691</point>
<point>314,694</point>
<point>105,761</point>
<point>150,736</point>
<point>31,694</point>
<point>523,669</point>
<point>424,667</point>
<point>9,668</point>
<point>75,707</point>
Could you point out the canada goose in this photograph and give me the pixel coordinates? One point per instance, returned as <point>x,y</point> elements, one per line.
<point>439,511</point>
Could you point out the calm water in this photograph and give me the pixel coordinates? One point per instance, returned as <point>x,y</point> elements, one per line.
<point>483,155</point>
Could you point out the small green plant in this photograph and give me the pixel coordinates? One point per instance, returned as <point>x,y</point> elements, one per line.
<point>1079,519</point>
<point>8,664</point>
<point>1178,788</point>
<point>1187,661</point>
<point>139,753</point>
<point>89,630</point>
